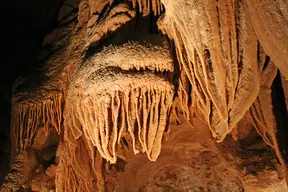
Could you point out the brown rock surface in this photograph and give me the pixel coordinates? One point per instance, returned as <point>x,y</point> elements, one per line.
<point>195,85</point>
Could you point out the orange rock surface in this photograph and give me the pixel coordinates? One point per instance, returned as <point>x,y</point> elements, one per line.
<point>156,95</point>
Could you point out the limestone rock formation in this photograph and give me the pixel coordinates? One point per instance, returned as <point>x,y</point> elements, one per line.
<point>198,86</point>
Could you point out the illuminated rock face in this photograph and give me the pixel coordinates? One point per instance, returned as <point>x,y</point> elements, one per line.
<point>194,85</point>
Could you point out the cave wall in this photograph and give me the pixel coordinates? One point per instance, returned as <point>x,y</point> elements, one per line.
<point>227,75</point>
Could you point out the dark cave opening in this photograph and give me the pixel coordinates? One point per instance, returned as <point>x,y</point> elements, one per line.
<point>280,112</point>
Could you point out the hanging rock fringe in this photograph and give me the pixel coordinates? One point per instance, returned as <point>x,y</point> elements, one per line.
<point>110,104</point>
<point>261,111</point>
<point>217,50</point>
<point>225,64</point>
<point>40,108</point>
<point>273,14</point>
<point>35,115</point>
<point>147,6</point>
<point>41,105</point>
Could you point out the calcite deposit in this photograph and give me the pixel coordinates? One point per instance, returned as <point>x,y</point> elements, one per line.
<point>150,95</point>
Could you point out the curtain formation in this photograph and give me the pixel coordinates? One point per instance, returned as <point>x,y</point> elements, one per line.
<point>221,48</point>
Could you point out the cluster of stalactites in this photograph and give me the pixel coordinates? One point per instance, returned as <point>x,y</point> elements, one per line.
<point>40,105</point>
<point>217,50</point>
<point>148,6</point>
<point>30,116</point>
<point>270,22</point>
<point>132,107</point>
<point>225,72</point>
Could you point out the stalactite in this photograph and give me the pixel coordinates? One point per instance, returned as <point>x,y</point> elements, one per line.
<point>147,6</point>
<point>42,104</point>
<point>270,22</point>
<point>184,95</point>
<point>264,117</point>
<point>40,108</point>
<point>261,110</point>
<point>217,49</point>
<point>110,103</point>
<point>248,68</point>
<point>34,115</point>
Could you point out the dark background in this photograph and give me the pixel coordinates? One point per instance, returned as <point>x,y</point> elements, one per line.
<point>23,27</point>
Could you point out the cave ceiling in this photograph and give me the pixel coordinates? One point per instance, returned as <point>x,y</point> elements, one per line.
<point>150,95</point>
